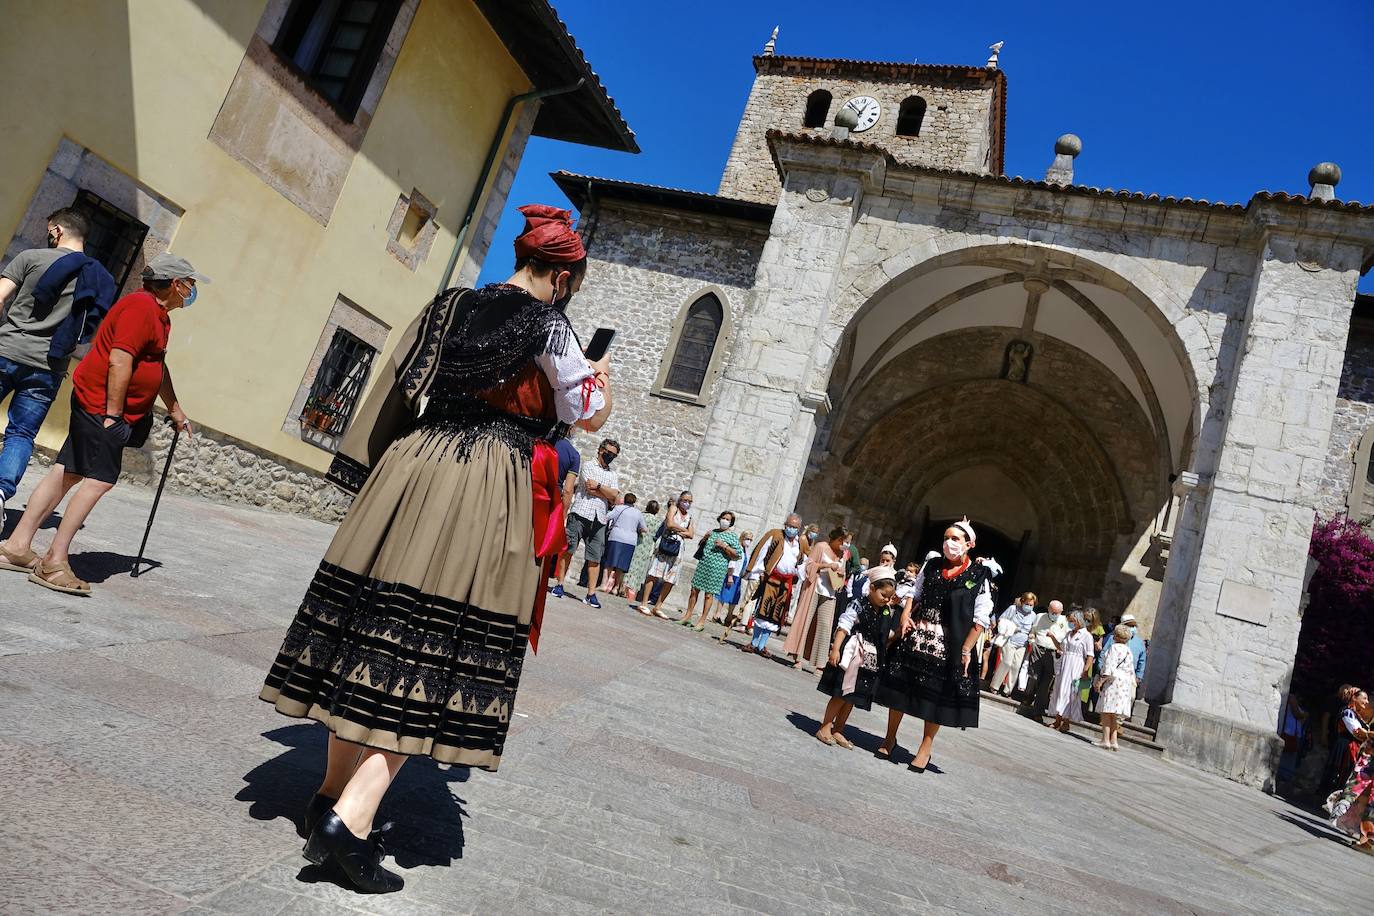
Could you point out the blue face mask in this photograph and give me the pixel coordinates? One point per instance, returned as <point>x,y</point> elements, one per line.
<point>790,531</point>
<point>186,303</point>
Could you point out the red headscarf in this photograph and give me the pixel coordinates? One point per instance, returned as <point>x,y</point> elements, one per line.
<point>549,236</point>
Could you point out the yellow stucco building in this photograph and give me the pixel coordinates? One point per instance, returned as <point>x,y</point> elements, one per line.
<point>326,162</point>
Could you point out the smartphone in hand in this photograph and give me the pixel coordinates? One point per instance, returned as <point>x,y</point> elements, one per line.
<point>600,343</point>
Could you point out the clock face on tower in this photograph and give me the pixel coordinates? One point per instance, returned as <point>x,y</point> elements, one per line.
<point>867,109</point>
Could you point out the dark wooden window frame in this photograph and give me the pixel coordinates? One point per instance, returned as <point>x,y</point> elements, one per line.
<point>710,304</point>
<point>337,388</point>
<point>292,31</point>
<point>115,239</point>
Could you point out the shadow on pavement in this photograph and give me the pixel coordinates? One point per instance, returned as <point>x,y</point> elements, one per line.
<point>1308,824</point>
<point>96,566</point>
<point>428,816</point>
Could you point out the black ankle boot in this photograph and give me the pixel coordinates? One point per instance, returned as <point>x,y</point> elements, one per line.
<point>360,860</point>
<point>316,810</point>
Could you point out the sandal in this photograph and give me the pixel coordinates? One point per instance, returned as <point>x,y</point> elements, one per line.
<point>17,562</point>
<point>59,577</point>
<point>884,753</point>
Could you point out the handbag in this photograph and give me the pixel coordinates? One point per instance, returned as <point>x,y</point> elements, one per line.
<point>701,548</point>
<point>670,545</point>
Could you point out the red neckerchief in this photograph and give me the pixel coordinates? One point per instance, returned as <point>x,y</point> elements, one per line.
<point>954,573</point>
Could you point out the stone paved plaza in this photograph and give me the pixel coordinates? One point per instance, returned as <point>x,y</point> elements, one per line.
<point>650,771</point>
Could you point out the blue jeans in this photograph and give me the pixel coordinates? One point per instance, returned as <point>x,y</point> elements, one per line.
<point>34,390</point>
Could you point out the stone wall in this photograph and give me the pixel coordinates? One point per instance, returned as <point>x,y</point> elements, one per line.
<point>1354,416</point>
<point>220,468</point>
<point>957,132</point>
<point>644,267</point>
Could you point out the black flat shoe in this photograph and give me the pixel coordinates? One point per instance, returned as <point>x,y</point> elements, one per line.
<point>359,860</point>
<point>915,769</point>
<point>315,810</point>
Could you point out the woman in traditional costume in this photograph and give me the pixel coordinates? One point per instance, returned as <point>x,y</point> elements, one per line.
<point>856,653</point>
<point>816,604</point>
<point>932,672</point>
<point>412,635</point>
<point>1352,808</point>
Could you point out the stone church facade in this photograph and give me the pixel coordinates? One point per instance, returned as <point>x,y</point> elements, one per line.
<point>1141,402</point>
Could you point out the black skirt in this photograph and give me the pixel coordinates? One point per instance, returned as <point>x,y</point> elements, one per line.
<point>832,683</point>
<point>925,685</point>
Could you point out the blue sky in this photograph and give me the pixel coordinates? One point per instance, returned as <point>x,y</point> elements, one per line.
<point>1210,100</point>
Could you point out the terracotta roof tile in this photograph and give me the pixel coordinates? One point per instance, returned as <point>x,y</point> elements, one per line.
<point>579,188</point>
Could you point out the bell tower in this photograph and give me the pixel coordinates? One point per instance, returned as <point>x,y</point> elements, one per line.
<point>948,117</point>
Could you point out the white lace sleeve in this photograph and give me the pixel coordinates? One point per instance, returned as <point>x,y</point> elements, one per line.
<point>982,606</point>
<point>566,371</point>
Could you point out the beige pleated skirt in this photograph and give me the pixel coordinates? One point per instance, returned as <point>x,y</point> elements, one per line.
<point>412,634</point>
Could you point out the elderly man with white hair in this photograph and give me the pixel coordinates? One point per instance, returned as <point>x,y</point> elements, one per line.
<point>1046,644</point>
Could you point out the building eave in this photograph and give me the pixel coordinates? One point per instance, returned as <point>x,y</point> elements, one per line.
<point>581,190</point>
<point>540,43</point>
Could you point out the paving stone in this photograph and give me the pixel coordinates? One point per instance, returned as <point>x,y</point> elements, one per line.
<point>656,772</point>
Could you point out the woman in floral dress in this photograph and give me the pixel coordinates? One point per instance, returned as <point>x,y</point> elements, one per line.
<point>717,550</point>
<point>1116,687</point>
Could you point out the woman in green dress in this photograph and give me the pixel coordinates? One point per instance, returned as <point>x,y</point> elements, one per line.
<point>639,563</point>
<point>717,550</point>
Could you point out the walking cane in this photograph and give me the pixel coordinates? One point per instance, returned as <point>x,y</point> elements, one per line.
<point>157,498</point>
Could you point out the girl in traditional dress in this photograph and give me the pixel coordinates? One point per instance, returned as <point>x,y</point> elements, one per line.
<point>817,598</point>
<point>411,637</point>
<point>1350,808</point>
<point>932,672</point>
<point>855,658</point>
<point>720,548</point>
<point>1116,686</point>
<point>1074,665</point>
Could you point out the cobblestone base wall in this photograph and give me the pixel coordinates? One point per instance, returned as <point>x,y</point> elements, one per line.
<point>221,468</point>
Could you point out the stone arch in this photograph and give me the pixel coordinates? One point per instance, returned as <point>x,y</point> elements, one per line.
<point>1193,352</point>
<point>873,280</point>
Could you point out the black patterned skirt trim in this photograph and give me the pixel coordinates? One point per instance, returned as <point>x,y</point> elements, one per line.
<point>387,666</point>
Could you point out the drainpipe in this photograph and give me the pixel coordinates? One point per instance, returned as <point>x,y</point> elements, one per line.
<point>492,153</point>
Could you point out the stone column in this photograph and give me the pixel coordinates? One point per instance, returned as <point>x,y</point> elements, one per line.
<point>764,418</point>
<point>1244,539</point>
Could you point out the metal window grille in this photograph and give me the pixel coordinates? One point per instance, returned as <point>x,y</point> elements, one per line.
<point>335,45</point>
<point>115,238</point>
<point>338,385</point>
<point>687,373</point>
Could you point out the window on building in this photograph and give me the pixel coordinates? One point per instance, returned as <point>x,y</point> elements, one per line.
<point>817,109</point>
<point>335,45</point>
<point>338,384</point>
<point>115,238</point>
<point>910,116</point>
<point>695,346</point>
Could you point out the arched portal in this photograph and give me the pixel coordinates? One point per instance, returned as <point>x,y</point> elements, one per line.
<point>1042,396</point>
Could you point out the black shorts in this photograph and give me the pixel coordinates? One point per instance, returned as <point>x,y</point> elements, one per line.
<point>91,450</point>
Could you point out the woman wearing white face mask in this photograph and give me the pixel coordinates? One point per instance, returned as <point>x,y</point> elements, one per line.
<point>719,549</point>
<point>677,528</point>
<point>932,671</point>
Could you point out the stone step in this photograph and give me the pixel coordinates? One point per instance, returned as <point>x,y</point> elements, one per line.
<point>1134,734</point>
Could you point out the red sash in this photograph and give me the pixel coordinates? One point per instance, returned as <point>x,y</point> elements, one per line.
<point>550,531</point>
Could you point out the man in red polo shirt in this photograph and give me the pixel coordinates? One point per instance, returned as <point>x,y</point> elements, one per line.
<point>113,391</point>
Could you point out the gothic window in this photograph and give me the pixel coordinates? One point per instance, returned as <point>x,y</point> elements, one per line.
<point>910,116</point>
<point>335,45</point>
<point>696,345</point>
<point>817,109</point>
<point>1360,504</point>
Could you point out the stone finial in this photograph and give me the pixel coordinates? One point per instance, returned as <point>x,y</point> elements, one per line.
<point>771,44</point>
<point>846,119</point>
<point>1323,178</point>
<point>1066,149</point>
<point>996,49</point>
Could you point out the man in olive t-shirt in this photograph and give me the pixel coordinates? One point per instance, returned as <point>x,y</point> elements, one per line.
<point>25,337</point>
